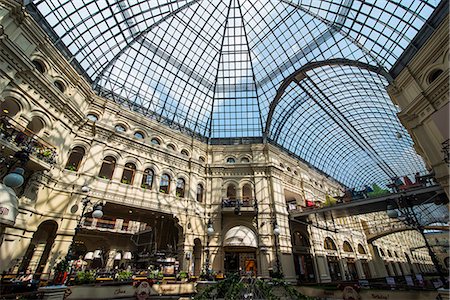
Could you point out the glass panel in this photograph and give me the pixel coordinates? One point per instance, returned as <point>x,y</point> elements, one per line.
<point>75,158</point>
<point>107,168</point>
<point>164,185</point>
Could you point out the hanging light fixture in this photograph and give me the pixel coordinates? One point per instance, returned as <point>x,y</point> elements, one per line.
<point>89,256</point>
<point>127,255</point>
<point>276,229</point>
<point>15,178</point>
<point>118,256</point>
<point>210,229</point>
<point>98,212</point>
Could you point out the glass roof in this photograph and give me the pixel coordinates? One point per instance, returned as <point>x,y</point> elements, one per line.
<point>213,68</point>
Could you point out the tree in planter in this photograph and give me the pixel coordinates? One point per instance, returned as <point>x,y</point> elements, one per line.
<point>61,270</point>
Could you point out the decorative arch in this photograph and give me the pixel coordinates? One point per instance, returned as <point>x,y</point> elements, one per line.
<point>329,244</point>
<point>361,249</point>
<point>347,247</point>
<point>240,236</point>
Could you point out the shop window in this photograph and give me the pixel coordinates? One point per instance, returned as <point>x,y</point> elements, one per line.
<point>200,191</point>
<point>180,188</point>
<point>120,128</point>
<point>75,158</point>
<point>147,179</point>
<point>231,191</point>
<point>247,191</point>
<point>184,152</point>
<point>347,247</point>
<point>92,117</point>
<point>361,249</point>
<point>164,185</point>
<point>300,240</point>
<point>59,85</point>
<point>139,135</point>
<point>107,169</point>
<point>155,141</point>
<point>230,160</point>
<point>39,66</point>
<point>128,173</point>
<point>329,244</point>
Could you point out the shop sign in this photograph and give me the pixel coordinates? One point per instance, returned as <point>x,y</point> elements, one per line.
<point>8,206</point>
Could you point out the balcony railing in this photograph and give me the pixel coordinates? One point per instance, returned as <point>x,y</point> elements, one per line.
<point>227,202</point>
<point>118,225</point>
<point>20,136</point>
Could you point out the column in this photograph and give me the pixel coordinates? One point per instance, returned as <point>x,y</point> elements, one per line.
<point>37,254</point>
<point>360,269</point>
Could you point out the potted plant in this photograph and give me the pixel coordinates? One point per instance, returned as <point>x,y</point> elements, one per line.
<point>84,277</point>
<point>71,168</point>
<point>124,275</point>
<point>183,276</point>
<point>61,270</point>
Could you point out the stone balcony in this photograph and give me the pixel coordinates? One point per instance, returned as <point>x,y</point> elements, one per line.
<point>239,206</point>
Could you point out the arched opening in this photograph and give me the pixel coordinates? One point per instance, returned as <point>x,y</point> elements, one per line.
<point>75,158</point>
<point>39,66</point>
<point>35,125</point>
<point>155,141</point>
<point>361,249</point>
<point>184,152</point>
<point>9,108</point>
<point>180,188</point>
<point>147,179</point>
<point>197,257</point>
<point>434,75</point>
<point>247,192</point>
<point>240,244</point>
<point>329,244</point>
<point>38,251</point>
<point>200,192</point>
<point>230,160</point>
<point>231,191</point>
<point>164,185</point>
<point>59,85</point>
<point>333,261</point>
<point>128,173</point>
<point>107,168</point>
<point>347,247</point>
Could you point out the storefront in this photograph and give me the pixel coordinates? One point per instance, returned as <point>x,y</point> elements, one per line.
<point>240,244</point>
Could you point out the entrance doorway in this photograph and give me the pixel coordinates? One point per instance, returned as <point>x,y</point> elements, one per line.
<point>243,263</point>
<point>304,267</point>
<point>335,270</point>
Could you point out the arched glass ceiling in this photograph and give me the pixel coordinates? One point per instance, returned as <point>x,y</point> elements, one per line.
<point>213,67</point>
<point>339,118</point>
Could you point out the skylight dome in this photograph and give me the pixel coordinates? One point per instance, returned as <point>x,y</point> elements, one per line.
<point>214,69</point>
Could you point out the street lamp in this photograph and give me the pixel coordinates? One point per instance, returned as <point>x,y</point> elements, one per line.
<point>209,232</point>
<point>405,213</point>
<point>97,214</point>
<point>276,233</point>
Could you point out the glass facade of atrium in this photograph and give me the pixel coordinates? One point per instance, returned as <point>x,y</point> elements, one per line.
<point>309,76</point>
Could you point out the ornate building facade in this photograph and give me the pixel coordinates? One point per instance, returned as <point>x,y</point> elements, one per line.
<point>161,190</point>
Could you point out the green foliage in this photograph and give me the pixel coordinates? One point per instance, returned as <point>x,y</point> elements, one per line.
<point>124,275</point>
<point>234,287</point>
<point>84,277</point>
<point>71,168</point>
<point>183,275</point>
<point>377,191</point>
<point>62,266</point>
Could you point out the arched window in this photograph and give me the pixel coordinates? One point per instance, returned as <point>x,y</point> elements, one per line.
<point>179,192</point>
<point>39,66</point>
<point>59,85</point>
<point>35,125</point>
<point>147,179</point>
<point>347,247</point>
<point>300,239</point>
<point>139,135</point>
<point>184,152</point>
<point>155,141</point>
<point>200,191</point>
<point>389,253</point>
<point>230,160</point>
<point>107,169</point>
<point>329,244</point>
<point>202,159</point>
<point>171,147</point>
<point>247,191</point>
<point>231,191</point>
<point>128,173</point>
<point>381,252</point>
<point>245,160</point>
<point>120,128</point>
<point>164,185</point>
<point>75,158</point>
<point>92,117</point>
<point>361,249</point>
